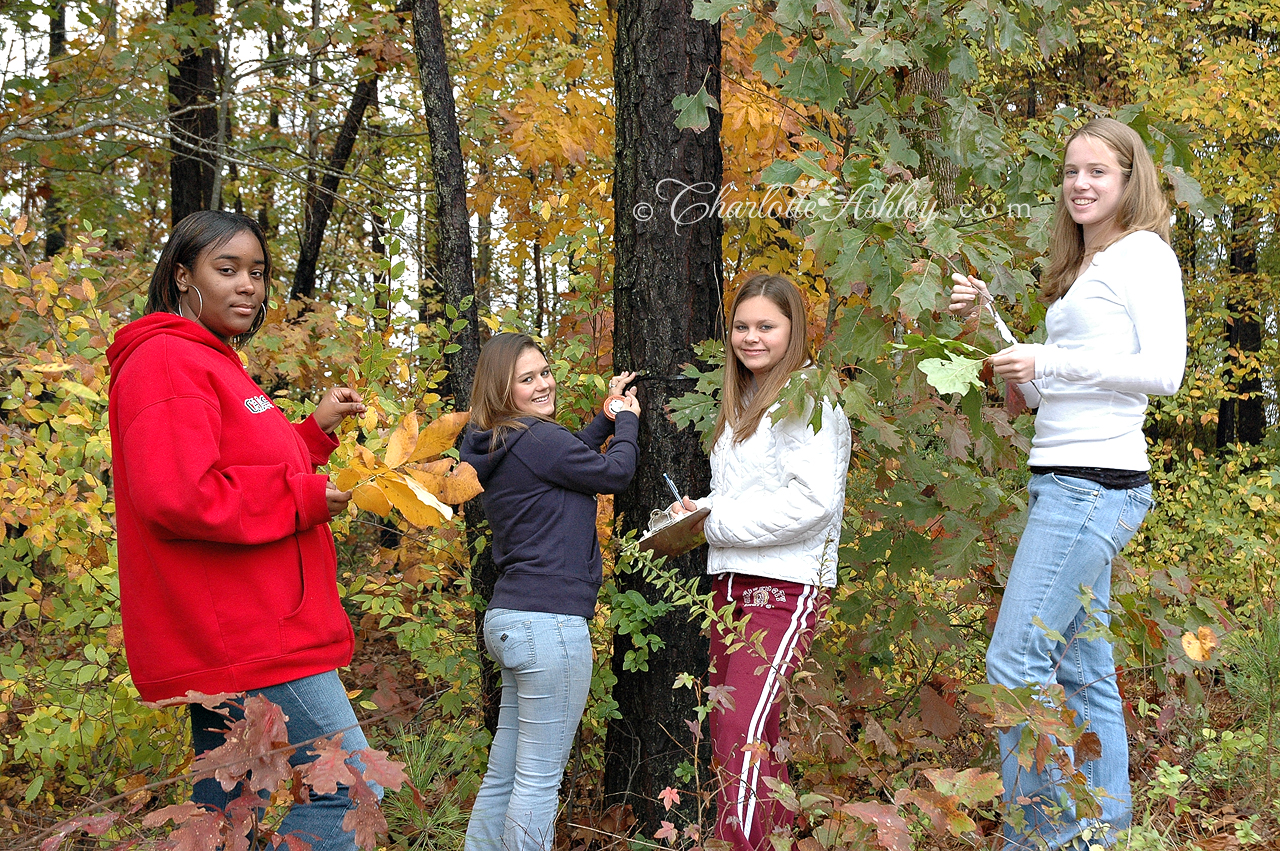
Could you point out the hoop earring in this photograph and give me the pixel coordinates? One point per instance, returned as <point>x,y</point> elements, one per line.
<point>201,309</point>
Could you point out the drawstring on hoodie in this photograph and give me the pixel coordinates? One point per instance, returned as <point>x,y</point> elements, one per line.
<point>729,592</point>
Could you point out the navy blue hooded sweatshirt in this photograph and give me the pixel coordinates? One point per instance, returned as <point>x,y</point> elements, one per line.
<point>540,486</point>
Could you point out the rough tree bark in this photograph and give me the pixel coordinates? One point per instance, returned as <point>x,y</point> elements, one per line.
<point>667,297</point>
<point>456,274</point>
<point>193,123</point>
<point>320,198</point>
<point>1242,417</point>
<point>942,170</point>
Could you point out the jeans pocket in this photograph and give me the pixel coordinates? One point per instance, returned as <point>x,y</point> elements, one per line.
<point>1137,502</point>
<point>509,638</point>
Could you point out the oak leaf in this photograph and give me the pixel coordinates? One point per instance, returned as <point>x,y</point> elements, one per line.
<point>937,715</point>
<point>329,769</point>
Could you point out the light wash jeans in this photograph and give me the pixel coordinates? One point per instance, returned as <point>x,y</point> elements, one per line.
<point>1074,529</point>
<point>316,706</point>
<point>546,674</point>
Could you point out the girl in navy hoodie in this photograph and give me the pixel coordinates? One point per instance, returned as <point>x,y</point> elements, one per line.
<point>228,575</point>
<point>540,484</point>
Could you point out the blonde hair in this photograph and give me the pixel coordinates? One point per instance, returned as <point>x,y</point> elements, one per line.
<point>742,401</point>
<point>1142,205</point>
<point>491,405</point>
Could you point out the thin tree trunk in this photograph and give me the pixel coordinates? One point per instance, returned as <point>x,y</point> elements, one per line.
<point>1242,415</point>
<point>320,199</point>
<point>193,123</point>
<point>667,297</point>
<point>455,270</point>
<point>55,216</point>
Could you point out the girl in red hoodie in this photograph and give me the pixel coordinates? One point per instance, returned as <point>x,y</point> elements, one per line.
<point>228,574</point>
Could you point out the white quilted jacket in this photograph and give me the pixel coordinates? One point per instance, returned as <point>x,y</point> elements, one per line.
<point>777,500</point>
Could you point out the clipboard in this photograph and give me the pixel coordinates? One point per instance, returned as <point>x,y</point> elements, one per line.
<point>677,537</point>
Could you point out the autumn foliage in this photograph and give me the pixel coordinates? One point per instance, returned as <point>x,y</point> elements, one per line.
<point>901,142</point>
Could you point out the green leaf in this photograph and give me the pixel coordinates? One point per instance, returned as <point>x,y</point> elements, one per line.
<point>712,10</point>
<point>693,110</point>
<point>780,173</point>
<point>954,375</point>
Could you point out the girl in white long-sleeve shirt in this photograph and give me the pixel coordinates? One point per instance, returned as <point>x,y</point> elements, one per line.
<point>1116,333</point>
<point>777,500</point>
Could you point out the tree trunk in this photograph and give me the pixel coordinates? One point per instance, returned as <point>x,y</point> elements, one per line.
<point>1242,414</point>
<point>320,199</point>
<point>667,297</point>
<point>938,168</point>
<point>456,275</point>
<point>55,216</point>
<point>193,123</point>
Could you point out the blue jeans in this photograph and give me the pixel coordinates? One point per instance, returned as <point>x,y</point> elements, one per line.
<point>546,675</point>
<point>1074,529</point>
<point>316,706</point>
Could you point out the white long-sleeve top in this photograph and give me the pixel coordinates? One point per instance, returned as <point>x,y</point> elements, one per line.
<point>777,499</point>
<point>1118,335</point>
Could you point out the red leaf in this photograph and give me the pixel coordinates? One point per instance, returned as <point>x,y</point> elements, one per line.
<point>1014,402</point>
<point>667,832</point>
<point>1088,748</point>
<point>329,770</point>
<point>257,743</point>
<point>199,832</point>
<point>366,819</point>
<point>387,773</point>
<point>937,715</point>
<point>891,828</point>
<point>92,825</point>
<point>669,798</point>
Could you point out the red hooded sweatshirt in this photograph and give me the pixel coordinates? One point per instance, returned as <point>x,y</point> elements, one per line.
<point>228,574</point>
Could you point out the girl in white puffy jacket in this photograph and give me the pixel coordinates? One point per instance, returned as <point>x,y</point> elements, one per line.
<point>777,497</point>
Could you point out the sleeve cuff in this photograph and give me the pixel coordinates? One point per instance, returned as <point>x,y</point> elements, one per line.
<point>319,445</point>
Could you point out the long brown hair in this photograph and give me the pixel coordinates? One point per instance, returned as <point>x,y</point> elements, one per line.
<point>491,405</point>
<point>742,401</point>
<point>1142,205</point>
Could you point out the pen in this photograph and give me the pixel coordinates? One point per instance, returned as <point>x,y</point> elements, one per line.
<point>672,485</point>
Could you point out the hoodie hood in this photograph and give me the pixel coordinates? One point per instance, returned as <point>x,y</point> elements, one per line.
<point>480,450</point>
<point>133,335</point>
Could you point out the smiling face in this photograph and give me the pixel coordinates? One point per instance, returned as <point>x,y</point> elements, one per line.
<point>1093,183</point>
<point>533,387</point>
<point>760,335</point>
<point>231,282</point>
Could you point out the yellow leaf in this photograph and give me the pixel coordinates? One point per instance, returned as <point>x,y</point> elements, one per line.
<point>352,319</point>
<point>403,441</point>
<point>369,461</point>
<point>370,419</point>
<point>1199,645</point>
<point>454,487</point>
<point>89,292</point>
<point>573,70</point>
<point>20,226</point>
<point>418,505</point>
<point>545,212</point>
<point>370,497</point>
<point>347,479</point>
<point>15,281</point>
<point>439,435</point>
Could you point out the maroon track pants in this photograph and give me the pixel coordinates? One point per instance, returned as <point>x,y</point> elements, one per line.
<point>743,735</point>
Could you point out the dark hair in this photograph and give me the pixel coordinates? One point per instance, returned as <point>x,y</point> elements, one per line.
<point>194,235</point>
<point>491,405</point>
